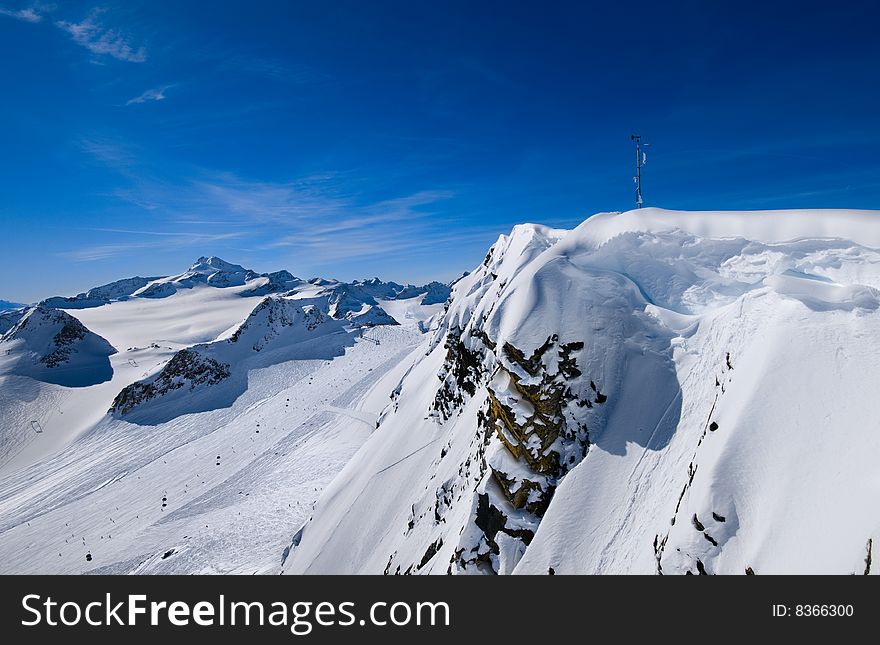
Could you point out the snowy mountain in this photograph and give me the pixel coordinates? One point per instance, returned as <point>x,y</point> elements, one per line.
<point>201,444</point>
<point>9,318</point>
<point>98,296</point>
<point>355,302</point>
<point>212,374</point>
<point>209,271</point>
<point>5,305</point>
<point>52,346</point>
<point>651,392</point>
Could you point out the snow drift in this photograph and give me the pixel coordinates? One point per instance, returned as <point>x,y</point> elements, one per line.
<point>651,392</point>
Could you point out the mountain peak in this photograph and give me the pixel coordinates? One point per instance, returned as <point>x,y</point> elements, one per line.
<point>213,263</point>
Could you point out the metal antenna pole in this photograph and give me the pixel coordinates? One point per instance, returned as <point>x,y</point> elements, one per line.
<point>638,178</point>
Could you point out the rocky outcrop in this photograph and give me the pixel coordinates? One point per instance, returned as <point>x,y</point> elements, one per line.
<point>535,414</point>
<point>278,329</point>
<point>187,369</point>
<point>462,372</point>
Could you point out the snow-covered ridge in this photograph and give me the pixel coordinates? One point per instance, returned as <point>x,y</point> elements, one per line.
<point>52,346</point>
<point>8,319</point>
<point>654,391</point>
<point>355,301</point>
<point>770,227</point>
<point>277,330</point>
<point>117,290</point>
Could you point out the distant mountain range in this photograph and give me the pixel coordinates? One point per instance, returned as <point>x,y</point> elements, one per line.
<point>354,301</point>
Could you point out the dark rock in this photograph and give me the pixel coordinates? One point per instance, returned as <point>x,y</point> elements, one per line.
<point>430,553</point>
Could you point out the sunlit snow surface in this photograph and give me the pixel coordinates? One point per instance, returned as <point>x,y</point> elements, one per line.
<point>765,324</point>
<point>738,353</point>
<point>217,491</point>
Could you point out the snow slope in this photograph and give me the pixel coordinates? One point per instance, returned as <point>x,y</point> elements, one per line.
<point>219,491</point>
<point>146,334</point>
<point>97,296</point>
<point>229,412</point>
<point>210,375</point>
<point>149,321</point>
<point>654,391</point>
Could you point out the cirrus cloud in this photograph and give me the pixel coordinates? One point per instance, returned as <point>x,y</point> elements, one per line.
<point>153,94</point>
<point>34,13</point>
<point>100,40</point>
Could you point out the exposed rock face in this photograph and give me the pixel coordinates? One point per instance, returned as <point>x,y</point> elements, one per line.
<point>188,368</point>
<point>71,331</point>
<point>535,433</point>
<point>542,440</point>
<point>531,421</point>
<point>460,375</point>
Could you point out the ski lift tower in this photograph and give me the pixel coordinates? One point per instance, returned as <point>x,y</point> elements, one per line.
<point>641,158</point>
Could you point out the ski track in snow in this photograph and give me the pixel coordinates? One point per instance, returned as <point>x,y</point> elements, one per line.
<point>103,494</point>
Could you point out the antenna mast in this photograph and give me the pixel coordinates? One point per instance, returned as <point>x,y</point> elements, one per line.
<point>640,160</point>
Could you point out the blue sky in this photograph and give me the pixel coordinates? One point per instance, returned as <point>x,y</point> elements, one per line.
<point>398,139</point>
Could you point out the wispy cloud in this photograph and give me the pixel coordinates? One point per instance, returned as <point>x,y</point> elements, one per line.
<point>154,94</point>
<point>34,13</point>
<point>314,219</point>
<point>314,216</point>
<point>108,152</point>
<point>168,241</point>
<point>101,40</point>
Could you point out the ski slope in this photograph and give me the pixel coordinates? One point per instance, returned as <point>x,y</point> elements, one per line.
<point>224,490</point>
<point>201,477</point>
